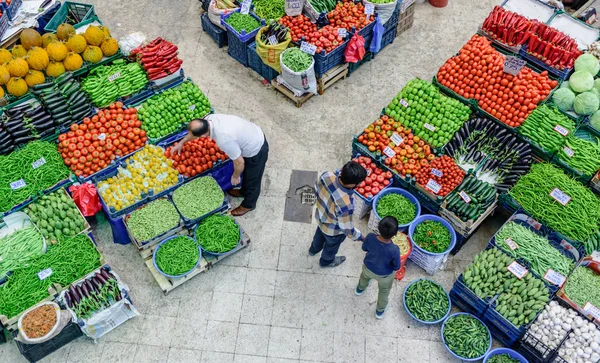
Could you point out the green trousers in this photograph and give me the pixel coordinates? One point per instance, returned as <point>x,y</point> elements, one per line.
<point>385,286</point>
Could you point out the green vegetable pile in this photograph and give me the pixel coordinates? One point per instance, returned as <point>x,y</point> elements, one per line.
<point>296,60</point>
<point>593,243</point>
<point>578,219</point>
<point>487,275</point>
<point>56,215</point>
<point>218,234</point>
<point>177,256</point>
<point>482,195</point>
<point>581,152</point>
<point>18,165</point>
<point>152,220</point>
<point>397,206</point>
<point>323,6</point>
<point>105,84</point>
<point>381,1</point>
<point>540,126</point>
<point>432,236</point>
<point>581,92</point>
<point>466,336</point>
<point>534,249</point>
<point>269,9</point>
<point>18,248</point>
<point>502,358</point>
<point>198,197</point>
<point>432,116</point>
<point>245,22</point>
<point>427,301</point>
<point>583,286</point>
<point>168,111</point>
<point>70,259</point>
<point>522,300</point>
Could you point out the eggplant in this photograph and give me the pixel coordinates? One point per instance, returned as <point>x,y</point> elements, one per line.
<point>41,120</point>
<point>45,126</point>
<point>101,278</point>
<point>24,139</point>
<point>21,133</point>
<point>96,283</point>
<point>75,294</point>
<point>13,122</point>
<point>89,287</point>
<point>80,292</point>
<point>105,274</point>
<point>68,299</point>
<point>449,149</point>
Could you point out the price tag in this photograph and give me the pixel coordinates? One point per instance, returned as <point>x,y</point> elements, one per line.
<point>560,196</point>
<point>569,152</point>
<point>44,274</point>
<point>561,130</point>
<point>389,152</point>
<point>161,176</point>
<point>436,172</point>
<point>434,186</point>
<point>369,9</point>
<point>17,184</point>
<point>102,137</point>
<point>112,77</point>
<point>245,8</point>
<point>192,107</point>
<point>308,48</point>
<point>593,310</point>
<point>368,172</point>
<point>535,224</point>
<point>554,277</point>
<point>396,139</point>
<point>39,162</point>
<point>403,102</point>
<point>513,65</point>
<point>517,269</point>
<point>342,32</point>
<point>465,196</point>
<point>429,127</point>
<point>273,40</point>
<point>511,244</point>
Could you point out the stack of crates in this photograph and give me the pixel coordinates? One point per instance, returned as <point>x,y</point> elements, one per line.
<point>407,15</point>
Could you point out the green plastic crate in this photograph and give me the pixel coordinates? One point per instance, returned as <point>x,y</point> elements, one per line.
<point>70,12</point>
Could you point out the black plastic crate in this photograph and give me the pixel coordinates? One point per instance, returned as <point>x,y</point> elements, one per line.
<point>36,352</point>
<point>352,67</point>
<point>219,35</point>
<point>205,4</point>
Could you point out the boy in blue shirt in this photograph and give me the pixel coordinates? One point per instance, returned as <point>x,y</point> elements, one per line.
<point>382,259</point>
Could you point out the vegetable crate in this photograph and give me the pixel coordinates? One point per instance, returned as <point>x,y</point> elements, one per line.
<point>429,200</point>
<point>354,66</point>
<point>358,148</point>
<point>189,223</point>
<point>506,47</point>
<point>11,323</point>
<point>256,63</point>
<point>12,9</point>
<point>595,183</point>
<point>539,152</point>
<point>388,37</point>
<point>591,263</point>
<point>72,13</point>
<point>466,299</point>
<point>330,77</point>
<point>219,35</point>
<point>170,81</point>
<point>367,33</point>
<point>238,43</point>
<point>465,228</point>
<point>36,352</point>
<point>584,133</point>
<point>136,98</point>
<point>4,23</point>
<point>392,22</point>
<point>326,61</point>
<point>406,19</point>
<point>533,60</point>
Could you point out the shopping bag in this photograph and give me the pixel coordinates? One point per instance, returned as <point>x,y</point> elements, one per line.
<point>378,31</point>
<point>355,50</point>
<point>214,14</point>
<point>293,7</point>
<point>384,11</point>
<point>86,198</point>
<point>270,53</point>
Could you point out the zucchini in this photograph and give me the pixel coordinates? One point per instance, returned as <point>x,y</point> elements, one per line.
<point>41,86</point>
<point>62,114</point>
<point>63,78</point>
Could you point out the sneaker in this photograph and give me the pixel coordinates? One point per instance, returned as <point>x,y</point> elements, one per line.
<point>336,261</point>
<point>379,314</point>
<point>358,291</point>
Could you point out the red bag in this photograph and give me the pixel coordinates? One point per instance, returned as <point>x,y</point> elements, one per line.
<point>86,198</point>
<point>355,50</point>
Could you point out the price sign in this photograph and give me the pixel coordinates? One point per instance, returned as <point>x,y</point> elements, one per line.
<point>17,184</point>
<point>517,269</point>
<point>465,196</point>
<point>102,137</point>
<point>342,32</point>
<point>389,152</point>
<point>369,9</point>
<point>44,274</point>
<point>513,65</point>
<point>39,162</point>
<point>308,48</point>
<point>192,107</point>
<point>593,310</point>
<point>569,151</point>
<point>434,186</point>
<point>561,130</point>
<point>429,127</point>
<point>436,172</point>
<point>535,224</point>
<point>511,244</point>
<point>114,76</point>
<point>403,102</point>
<point>554,277</point>
<point>245,8</point>
<point>396,139</point>
<point>560,196</point>
<point>273,40</point>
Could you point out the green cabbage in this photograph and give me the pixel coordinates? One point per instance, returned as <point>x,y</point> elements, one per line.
<point>597,84</point>
<point>595,120</point>
<point>596,92</point>
<point>565,84</point>
<point>587,62</point>
<point>563,99</point>
<point>581,81</point>
<point>586,103</point>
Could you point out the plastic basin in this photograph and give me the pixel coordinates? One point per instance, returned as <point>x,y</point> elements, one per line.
<point>423,321</point>
<point>403,193</point>
<point>431,217</point>
<point>510,352</point>
<point>456,355</point>
<point>175,276</point>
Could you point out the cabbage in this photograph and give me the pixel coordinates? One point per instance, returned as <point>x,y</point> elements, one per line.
<point>581,81</point>
<point>565,84</point>
<point>587,62</point>
<point>595,120</point>
<point>586,103</point>
<point>563,99</point>
<point>596,92</point>
<point>597,84</point>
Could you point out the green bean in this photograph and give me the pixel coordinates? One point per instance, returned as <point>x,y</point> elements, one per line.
<point>153,219</point>
<point>427,300</point>
<point>269,9</point>
<point>466,336</point>
<point>198,197</point>
<point>245,22</point>
<point>432,236</point>
<point>296,60</point>
<point>18,248</point>
<point>583,286</point>
<point>218,234</point>
<point>586,154</point>
<point>397,206</point>
<point>540,125</point>
<point>177,256</point>
<point>502,358</point>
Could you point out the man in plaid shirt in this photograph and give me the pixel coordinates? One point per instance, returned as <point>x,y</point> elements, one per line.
<point>335,205</point>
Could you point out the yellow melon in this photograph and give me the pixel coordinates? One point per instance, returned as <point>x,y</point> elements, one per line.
<point>109,47</point>
<point>65,31</point>
<point>4,75</point>
<point>5,56</point>
<point>19,51</point>
<point>34,77</point>
<point>76,43</point>
<point>94,35</point>
<point>57,51</point>
<point>73,62</point>
<point>17,87</point>
<point>105,30</point>
<point>55,69</point>
<point>37,58</point>
<point>92,54</point>
<point>48,38</point>
<point>1,92</point>
<point>30,38</point>
<point>18,67</point>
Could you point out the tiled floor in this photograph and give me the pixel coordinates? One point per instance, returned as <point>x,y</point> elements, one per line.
<point>271,302</point>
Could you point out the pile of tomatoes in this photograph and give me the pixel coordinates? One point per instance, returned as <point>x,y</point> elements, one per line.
<point>196,156</point>
<point>442,171</point>
<point>478,72</point>
<point>349,15</point>
<point>91,146</point>
<point>376,180</point>
<point>302,29</point>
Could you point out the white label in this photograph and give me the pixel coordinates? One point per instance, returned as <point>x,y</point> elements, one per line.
<point>389,152</point>
<point>596,256</point>
<point>403,102</point>
<point>535,224</point>
<point>513,65</point>
<point>245,8</point>
<point>465,196</point>
<point>593,310</point>
<point>17,184</point>
<point>192,107</point>
<point>44,274</point>
<point>273,40</point>
<point>561,130</point>
<point>161,176</point>
<point>517,269</point>
<point>396,139</point>
<point>569,152</point>
<point>429,127</point>
<point>554,277</point>
<point>342,32</point>
<point>369,8</point>
<point>308,48</point>
<point>112,77</point>
<point>102,137</point>
<point>560,196</point>
<point>434,186</point>
<point>39,162</point>
<point>369,172</point>
<point>436,172</point>
<point>511,244</point>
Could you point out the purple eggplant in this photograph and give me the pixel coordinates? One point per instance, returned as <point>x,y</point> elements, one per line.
<point>105,274</point>
<point>68,299</point>
<point>101,278</point>
<point>75,294</point>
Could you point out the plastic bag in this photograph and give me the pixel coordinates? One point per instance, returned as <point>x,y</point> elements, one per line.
<point>214,14</point>
<point>270,53</point>
<point>63,318</point>
<point>293,7</point>
<point>86,198</point>
<point>378,31</point>
<point>298,82</point>
<point>384,11</point>
<point>355,50</point>
<point>130,42</point>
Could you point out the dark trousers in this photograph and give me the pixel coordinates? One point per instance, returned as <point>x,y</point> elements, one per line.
<point>328,244</point>
<point>254,168</point>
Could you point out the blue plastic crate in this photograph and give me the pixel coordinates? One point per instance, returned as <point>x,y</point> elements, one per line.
<point>12,9</point>
<point>4,23</point>
<point>531,59</point>
<point>392,22</point>
<point>205,4</point>
<point>256,63</point>
<point>326,61</point>
<point>367,33</point>
<point>238,43</point>
<point>170,81</point>
<point>502,329</point>
<point>466,300</point>
<point>219,35</point>
<point>188,223</point>
<point>138,97</point>
<point>388,38</point>
<point>77,11</point>
<point>152,240</point>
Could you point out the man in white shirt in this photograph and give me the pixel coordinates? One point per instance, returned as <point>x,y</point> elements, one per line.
<point>244,143</point>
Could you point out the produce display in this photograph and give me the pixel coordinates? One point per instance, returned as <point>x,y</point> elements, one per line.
<point>547,127</point>
<point>507,27</point>
<point>39,321</point>
<point>593,243</point>
<point>522,300</point>
<point>432,236</point>
<point>177,256</point>
<point>196,156</point>
<point>159,58</point>
<point>401,240</point>
<point>581,210</point>
<point>422,108</point>
<point>594,49</point>
<point>242,23</point>
<point>64,99</point>
<point>441,176</point>
<point>301,28</point>
<point>502,358</point>
<point>471,199</point>
<point>20,247</point>
<point>397,206</point>
<point>349,15</point>
<point>581,92</point>
<point>376,179</point>
<point>552,46</point>
<point>296,60</point>
<point>577,347</point>
<point>280,32</point>
<point>198,197</point>
<point>24,123</point>
<point>466,336</point>
<point>581,152</point>
<point>583,286</point>
<point>427,300</point>
<point>552,326</point>
<point>92,295</point>
<point>322,6</point>
<point>218,234</point>
<point>168,111</point>
<point>152,220</point>
<point>225,4</point>
<point>269,9</point>
<point>487,265</point>
<point>106,83</point>
<point>475,73</point>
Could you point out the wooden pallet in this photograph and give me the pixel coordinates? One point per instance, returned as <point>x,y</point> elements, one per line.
<point>330,77</point>
<point>299,101</point>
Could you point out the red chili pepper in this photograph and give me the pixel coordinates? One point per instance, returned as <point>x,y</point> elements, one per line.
<point>157,76</point>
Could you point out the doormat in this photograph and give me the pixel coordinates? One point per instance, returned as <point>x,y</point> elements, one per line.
<point>300,197</point>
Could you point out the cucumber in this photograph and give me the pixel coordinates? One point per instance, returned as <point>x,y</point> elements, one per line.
<point>41,86</point>
<point>63,78</point>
